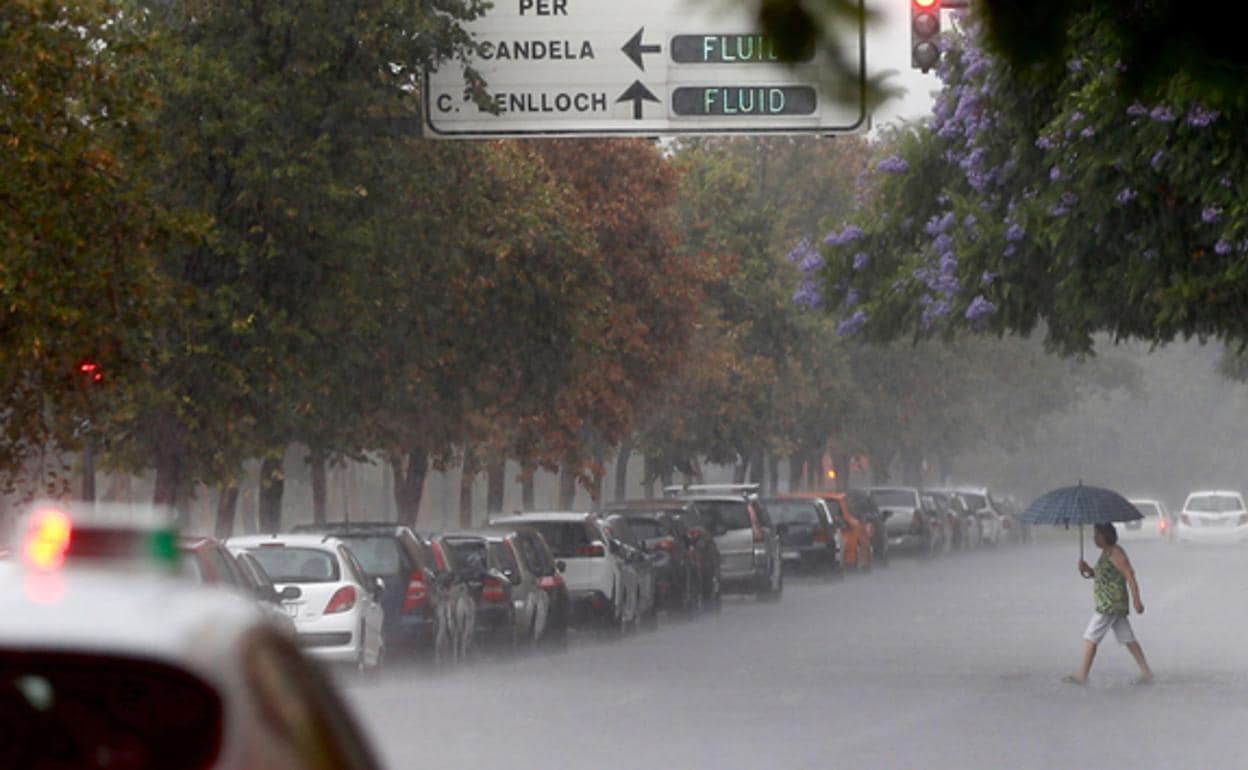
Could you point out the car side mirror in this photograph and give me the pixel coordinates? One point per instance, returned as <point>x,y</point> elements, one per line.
<point>561,565</point>
<point>290,592</point>
<point>379,588</point>
<point>512,576</point>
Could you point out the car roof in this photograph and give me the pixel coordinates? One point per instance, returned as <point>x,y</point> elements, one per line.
<point>298,540</point>
<point>1226,492</point>
<point>107,610</point>
<point>648,506</point>
<point>351,527</point>
<point>540,516</point>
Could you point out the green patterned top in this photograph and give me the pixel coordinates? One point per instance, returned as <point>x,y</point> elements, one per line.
<point>1109,589</point>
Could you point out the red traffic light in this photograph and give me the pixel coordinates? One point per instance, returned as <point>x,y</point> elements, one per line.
<point>91,371</point>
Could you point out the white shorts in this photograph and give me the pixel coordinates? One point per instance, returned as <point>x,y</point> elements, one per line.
<point>1100,625</point>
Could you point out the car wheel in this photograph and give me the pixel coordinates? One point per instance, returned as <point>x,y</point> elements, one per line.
<point>774,585</point>
<point>717,595</point>
<point>693,603</point>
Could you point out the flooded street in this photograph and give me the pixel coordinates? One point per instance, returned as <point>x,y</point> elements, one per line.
<point>945,664</point>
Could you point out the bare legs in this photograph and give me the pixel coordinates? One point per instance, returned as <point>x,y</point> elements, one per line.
<point>1089,654</point>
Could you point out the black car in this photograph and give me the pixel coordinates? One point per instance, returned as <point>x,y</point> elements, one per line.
<point>416,597</point>
<point>702,552</point>
<point>807,533</point>
<point>534,550</point>
<point>677,580</point>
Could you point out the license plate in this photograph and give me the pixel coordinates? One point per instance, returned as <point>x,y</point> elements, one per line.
<point>791,555</point>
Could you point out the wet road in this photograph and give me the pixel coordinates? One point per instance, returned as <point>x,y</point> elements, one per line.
<point>955,663</point>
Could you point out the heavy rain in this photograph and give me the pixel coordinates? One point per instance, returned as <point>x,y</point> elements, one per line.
<point>555,383</point>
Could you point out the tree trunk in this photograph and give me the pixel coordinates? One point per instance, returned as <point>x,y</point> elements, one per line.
<point>621,469</point>
<point>773,474</point>
<point>648,475</point>
<point>666,476</point>
<point>168,480</point>
<point>814,470</point>
<point>272,484</point>
<point>741,471</point>
<point>841,462</point>
<point>468,472</point>
<point>528,500</point>
<point>227,509</point>
<point>758,469</point>
<point>316,463</point>
<point>797,471</point>
<point>912,467</point>
<point>945,463</point>
<point>496,478</point>
<point>567,488</point>
<point>409,482</point>
<point>88,472</point>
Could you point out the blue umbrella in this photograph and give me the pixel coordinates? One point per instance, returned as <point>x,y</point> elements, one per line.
<point>1080,505</point>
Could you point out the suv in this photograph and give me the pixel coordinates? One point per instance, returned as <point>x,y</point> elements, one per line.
<point>417,600</point>
<point>749,546</point>
<point>601,583</point>
<point>905,521</point>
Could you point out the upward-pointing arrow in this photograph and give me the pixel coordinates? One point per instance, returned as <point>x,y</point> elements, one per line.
<point>633,49</point>
<point>635,94</point>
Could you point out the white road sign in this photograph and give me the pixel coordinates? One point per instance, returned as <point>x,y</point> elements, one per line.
<point>635,67</point>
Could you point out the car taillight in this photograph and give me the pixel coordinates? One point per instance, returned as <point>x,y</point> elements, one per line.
<point>342,600</point>
<point>416,592</point>
<point>550,582</point>
<point>591,550</point>
<point>1163,525</point>
<point>665,544</point>
<point>821,534</point>
<point>492,590</point>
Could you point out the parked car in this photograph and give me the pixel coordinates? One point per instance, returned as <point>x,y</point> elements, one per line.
<point>604,591</point>
<point>991,524</point>
<point>678,579</point>
<point>206,560</point>
<point>260,587</point>
<point>336,606</point>
<point>170,675</point>
<point>549,571</point>
<point>855,532</point>
<point>512,606</point>
<point>941,521</point>
<point>1156,524</point>
<point>749,546</point>
<point>807,533</point>
<point>908,527</point>
<point>1213,516</point>
<point>702,552</point>
<point>640,562</point>
<point>419,602</point>
<point>967,530</point>
<point>450,572</point>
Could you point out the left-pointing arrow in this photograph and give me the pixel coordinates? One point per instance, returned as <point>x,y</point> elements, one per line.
<point>634,48</point>
<point>635,94</point>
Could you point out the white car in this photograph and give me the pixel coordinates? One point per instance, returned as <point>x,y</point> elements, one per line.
<point>336,607</point>
<point>120,665</point>
<point>603,587</point>
<point>1156,524</point>
<point>1213,516</point>
<point>991,522</point>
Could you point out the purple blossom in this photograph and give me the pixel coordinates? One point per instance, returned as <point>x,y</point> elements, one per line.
<point>1044,143</point>
<point>938,225</point>
<point>1157,158</point>
<point>1225,182</point>
<point>980,308</point>
<point>848,235</point>
<point>894,165</point>
<point>852,325</point>
<point>1015,233</point>
<point>940,308</point>
<point>1088,132</point>
<point>1076,116</point>
<point>969,221</point>
<point>1009,250</point>
<point>1069,199</point>
<point>1074,65</point>
<point>1055,174</point>
<point>1162,114</point>
<point>1059,210</point>
<point>1136,110</point>
<point>987,279</point>
<point>808,295</point>
<point>851,298</point>
<point>861,260</point>
<point>812,263</point>
<point>1210,215</point>
<point>943,243</point>
<point>1201,118</point>
<point>1222,247</point>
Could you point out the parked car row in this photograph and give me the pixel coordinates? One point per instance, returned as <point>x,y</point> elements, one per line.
<point>1207,516</point>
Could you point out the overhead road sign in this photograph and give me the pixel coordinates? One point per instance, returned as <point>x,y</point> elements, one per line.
<point>640,68</point>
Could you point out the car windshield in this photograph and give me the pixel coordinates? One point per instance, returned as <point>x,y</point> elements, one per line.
<point>297,565</point>
<point>725,514</point>
<point>1147,510</point>
<point>501,557</point>
<point>563,538</point>
<point>380,556</point>
<point>895,498</point>
<point>470,552</point>
<point>792,512</point>
<point>97,711</point>
<point>1213,504</point>
<point>645,529</point>
<point>973,501</point>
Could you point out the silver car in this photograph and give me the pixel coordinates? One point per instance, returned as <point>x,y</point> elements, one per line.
<point>748,543</point>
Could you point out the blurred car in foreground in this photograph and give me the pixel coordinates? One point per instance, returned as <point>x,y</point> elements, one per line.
<point>1213,516</point>
<point>335,605</point>
<point>134,668</point>
<point>1156,524</point>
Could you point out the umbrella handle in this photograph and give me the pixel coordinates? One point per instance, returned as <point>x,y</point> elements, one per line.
<point>1081,542</point>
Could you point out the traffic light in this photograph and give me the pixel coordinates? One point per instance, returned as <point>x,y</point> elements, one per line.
<point>91,372</point>
<point>924,34</point>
